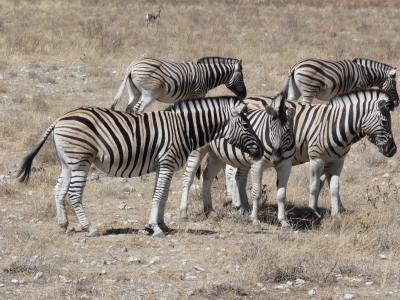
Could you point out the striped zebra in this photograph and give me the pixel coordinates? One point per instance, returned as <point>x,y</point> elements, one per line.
<point>325,133</point>
<point>274,126</point>
<point>325,79</point>
<point>130,145</point>
<point>150,79</point>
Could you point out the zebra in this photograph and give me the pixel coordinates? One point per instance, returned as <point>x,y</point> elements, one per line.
<point>324,135</point>
<point>274,126</point>
<point>130,145</point>
<point>325,79</point>
<point>150,79</point>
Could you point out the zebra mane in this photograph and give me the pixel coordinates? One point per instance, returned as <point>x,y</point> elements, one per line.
<point>354,97</point>
<point>217,60</point>
<point>215,102</point>
<point>372,64</point>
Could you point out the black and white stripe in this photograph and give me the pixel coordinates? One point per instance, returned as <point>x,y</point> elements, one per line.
<point>150,79</point>
<point>129,145</point>
<point>274,126</point>
<point>325,133</point>
<point>325,79</point>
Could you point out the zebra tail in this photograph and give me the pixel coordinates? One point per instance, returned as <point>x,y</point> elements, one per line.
<point>25,170</point>
<point>117,98</point>
<point>285,87</point>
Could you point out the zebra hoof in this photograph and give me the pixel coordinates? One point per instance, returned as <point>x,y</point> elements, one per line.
<point>69,229</point>
<point>93,233</point>
<point>63,224</point>
<point>164,227</point>
<point>226,201</point>
<point>285,224</point>
<point>159,234</point>
<point>257,228</point>
<point>286,229</point>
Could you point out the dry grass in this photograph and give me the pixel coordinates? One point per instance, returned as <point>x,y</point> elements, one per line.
<point>57,55</point>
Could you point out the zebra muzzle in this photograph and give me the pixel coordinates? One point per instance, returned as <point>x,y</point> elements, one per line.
<point>276,157</point>
<point>389,149</point>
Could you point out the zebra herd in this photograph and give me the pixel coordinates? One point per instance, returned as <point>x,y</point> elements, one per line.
<point>245,136</point>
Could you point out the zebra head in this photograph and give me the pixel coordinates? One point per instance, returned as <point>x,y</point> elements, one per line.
<point>378,126</point>
<point>382,76</point>
<point>390,86</point>
<point>241,135</point>
<point>280,128</point>
<point>236,82</point>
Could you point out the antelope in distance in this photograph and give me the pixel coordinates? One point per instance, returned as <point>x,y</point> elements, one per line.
<point>151,18</point>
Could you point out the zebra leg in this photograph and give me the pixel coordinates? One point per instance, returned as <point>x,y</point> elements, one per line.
<point>316,169</point>
<point>60,191</point>
<point>283,172</point>
<point>257,171</point>
<point>148,97</point>
<point>291,88</point>
<point>193,164</point>
<point>334,186</point>
<point>229,172</point>
<point>75,193</point>
<point>240,187</point>
<point>214,164</point>
<point>160,197</point>
<point>134,95</point>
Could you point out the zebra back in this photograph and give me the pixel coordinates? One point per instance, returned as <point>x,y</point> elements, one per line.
<point>372,64</point>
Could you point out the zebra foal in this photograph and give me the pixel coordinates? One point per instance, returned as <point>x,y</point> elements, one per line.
<point>130,145</point>
<point>274,126</point>
<point>149,79</point>
<point>325,133</point>
<point>325,79</point>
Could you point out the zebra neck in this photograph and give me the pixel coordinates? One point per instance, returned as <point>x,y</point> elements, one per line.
<point>216,74</point>
<point>202,130</point>
<point>370,77</point>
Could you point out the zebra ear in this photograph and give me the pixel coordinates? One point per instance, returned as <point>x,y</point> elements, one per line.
<point>381,104</point>
<point>392,72</point>
<point>271,111</point>
<point>290,112</point>
<point>239,109</point>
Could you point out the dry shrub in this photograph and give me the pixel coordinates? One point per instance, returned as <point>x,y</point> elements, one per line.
<point>387,240</point>
<point>221,291</point>
<point>27,43</point>
<point>22,265</point>
<point>350,267</point>
<point>8,190</point>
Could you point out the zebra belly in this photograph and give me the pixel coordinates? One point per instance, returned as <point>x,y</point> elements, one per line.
<point>123,170</point>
